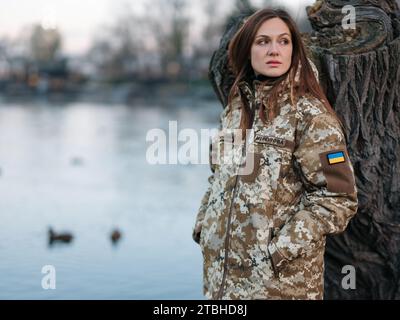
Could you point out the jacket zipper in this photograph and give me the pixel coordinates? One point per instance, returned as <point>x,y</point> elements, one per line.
<point>221,289</point>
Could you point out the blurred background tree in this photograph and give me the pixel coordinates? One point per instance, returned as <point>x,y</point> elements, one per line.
<point>45,43</point>
<point>156,41</point>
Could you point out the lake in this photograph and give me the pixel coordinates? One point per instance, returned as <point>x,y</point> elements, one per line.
<point>81,167</point>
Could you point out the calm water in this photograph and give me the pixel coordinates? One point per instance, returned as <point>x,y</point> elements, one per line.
<point>81,167</point>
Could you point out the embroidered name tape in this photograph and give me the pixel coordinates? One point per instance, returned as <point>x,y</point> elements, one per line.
<point>336,157</point>
<point>270,140</point>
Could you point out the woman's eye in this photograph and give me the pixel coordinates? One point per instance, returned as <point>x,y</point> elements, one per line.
<point>264,42</point>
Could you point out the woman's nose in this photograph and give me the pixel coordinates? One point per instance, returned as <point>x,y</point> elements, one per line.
<point>273,49</point>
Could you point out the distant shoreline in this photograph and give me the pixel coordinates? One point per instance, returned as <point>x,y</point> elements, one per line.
<point>124,93</point>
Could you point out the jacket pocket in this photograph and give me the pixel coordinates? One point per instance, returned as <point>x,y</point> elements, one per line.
<point>250,169</point>
<point>264,237</point>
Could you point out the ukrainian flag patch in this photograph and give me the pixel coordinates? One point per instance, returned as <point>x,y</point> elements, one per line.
<point>336,157</point>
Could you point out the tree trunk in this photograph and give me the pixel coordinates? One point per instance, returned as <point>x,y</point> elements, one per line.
<point>360,72</point>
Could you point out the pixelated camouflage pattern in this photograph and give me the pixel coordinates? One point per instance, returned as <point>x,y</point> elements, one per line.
<point>262,235</point>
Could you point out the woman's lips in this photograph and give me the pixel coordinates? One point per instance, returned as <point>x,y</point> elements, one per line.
<point>274,63</point>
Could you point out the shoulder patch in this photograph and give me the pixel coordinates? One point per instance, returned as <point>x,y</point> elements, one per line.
<point>336,157</point>
<point>337,170</point>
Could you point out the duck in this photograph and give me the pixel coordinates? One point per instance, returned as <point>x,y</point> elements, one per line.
<point>77,161</point>
<point>115,236</point>
<point>64,237</point>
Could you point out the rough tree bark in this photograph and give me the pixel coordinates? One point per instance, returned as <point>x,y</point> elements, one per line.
<point>360,72</point>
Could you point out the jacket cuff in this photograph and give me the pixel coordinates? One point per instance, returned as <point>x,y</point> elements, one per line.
<point>278,260</point>
<point>196,234</point>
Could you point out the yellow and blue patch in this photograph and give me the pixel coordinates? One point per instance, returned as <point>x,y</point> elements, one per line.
<point>336,157</point>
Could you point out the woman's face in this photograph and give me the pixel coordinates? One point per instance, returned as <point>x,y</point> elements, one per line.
<point>271,51</point>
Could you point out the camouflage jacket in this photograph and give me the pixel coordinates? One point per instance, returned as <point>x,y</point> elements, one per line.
<point>262,232</point>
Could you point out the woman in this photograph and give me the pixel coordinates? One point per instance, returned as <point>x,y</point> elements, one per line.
<point>262,230</point>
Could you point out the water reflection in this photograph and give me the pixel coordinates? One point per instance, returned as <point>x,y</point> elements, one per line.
<point>81,167</point>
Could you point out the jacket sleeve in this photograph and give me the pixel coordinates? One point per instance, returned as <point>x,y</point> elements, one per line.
<point>213,165</point>
<point>330,197</point>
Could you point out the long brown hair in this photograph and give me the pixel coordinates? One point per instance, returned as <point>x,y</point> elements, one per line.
<point>239,60</point>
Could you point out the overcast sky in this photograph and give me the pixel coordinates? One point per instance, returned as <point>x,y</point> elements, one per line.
<point>79,19</point>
